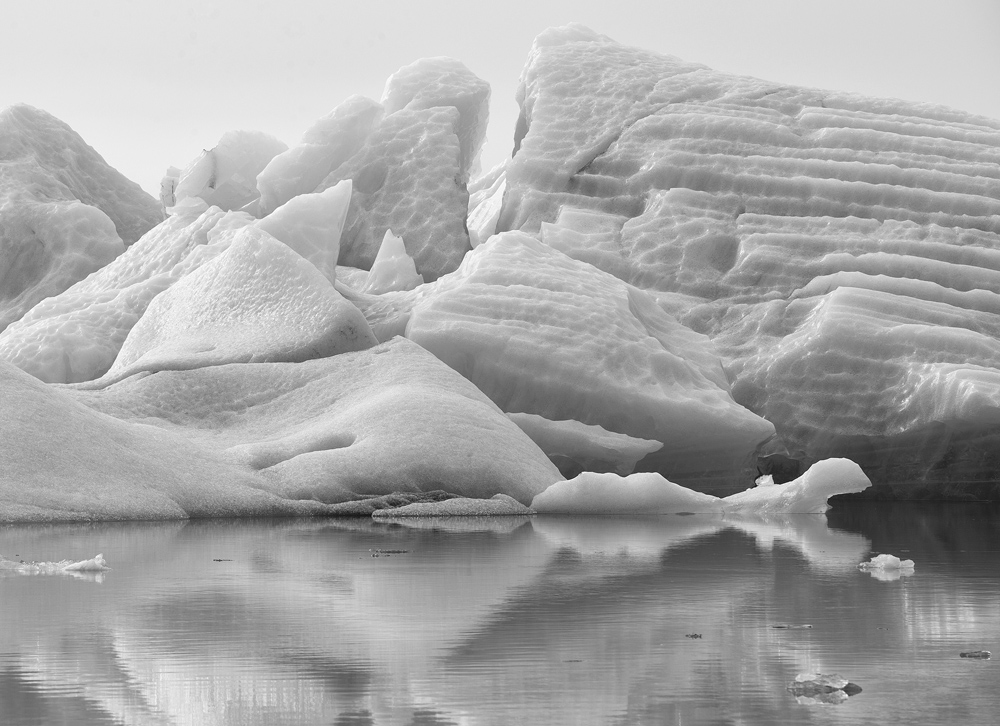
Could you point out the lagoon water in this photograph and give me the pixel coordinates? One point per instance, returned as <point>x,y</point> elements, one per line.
<point>544,620</point>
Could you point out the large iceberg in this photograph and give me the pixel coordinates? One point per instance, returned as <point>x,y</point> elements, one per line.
<point>681,280</point>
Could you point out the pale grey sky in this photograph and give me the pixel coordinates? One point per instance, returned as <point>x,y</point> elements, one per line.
<point>151,84</point>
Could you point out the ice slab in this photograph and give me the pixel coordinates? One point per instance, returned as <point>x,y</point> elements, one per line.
<point>499,505</point>
<point>442,81</point>
<point>64,213</point>
<point>327,144</point>
<point>650,493</point>
<point>841,251</point>
<point>576,447</point>
<point>388,419</point>
<point>543,334</point>
<point>76,335</point>
<point>407,178</point>
<point>311,224</point>
<point>393,268</point>
<point>225,176</point>
<point>256,302</point>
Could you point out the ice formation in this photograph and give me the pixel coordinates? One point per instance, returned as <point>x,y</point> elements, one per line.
<point>94,564</point>
<point>701,277</point>
<point>840,251</point>
<point>499,505</point>
<point>63,211</point>
<point>885,562</point>
<point>650,493</point>
<point>544,334</point>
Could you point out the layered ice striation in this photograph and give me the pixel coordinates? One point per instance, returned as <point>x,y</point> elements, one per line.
<point>841,252</point>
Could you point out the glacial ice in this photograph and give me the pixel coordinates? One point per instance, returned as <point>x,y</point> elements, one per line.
<point>311,224</point>
<point>393,268</point>
<point>543,334</point>
<point>499,505</point>
<point>651,493</point>
<point>885,562</point>
<point>63,211</point>
<point>812,235</point>
<point>256,302</point>
<point>225,176</point>
<point>94,564</point>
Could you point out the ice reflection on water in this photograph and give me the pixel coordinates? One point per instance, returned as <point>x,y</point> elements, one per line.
<point>546,620</point>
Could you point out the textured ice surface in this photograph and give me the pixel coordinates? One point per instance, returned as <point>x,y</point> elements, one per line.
<point>256,302</point>
<point>841,251</point>
<point>408,178</point>
<point>441,81</point>
<point>326,145</point>
<point>393,268</point>
<point>499,505</point>
<point>576,447</point>
<point>76,335</point>
<point>388,419</point>
<point>63,211</point>
<point>650,493</point>
<point>311,224</point>
<point>541,333</point>
<point>95,564</point>
<point>886,562</point>
<point>226,175</point>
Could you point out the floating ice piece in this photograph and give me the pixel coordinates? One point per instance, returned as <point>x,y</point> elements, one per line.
<point>226,175</point>
<point>499,505</point>
<point>820,688</point>
<point>257,302</point>
<point>979,654</point>
<point>326,145</point>
<point>643,493</point>
<point>95,564</point>
<point>885,562</point>
<point>807,494</point>
<point>591,493</point>
<point>393,268</point>
<point>575,446</point>
<point>311,224</point>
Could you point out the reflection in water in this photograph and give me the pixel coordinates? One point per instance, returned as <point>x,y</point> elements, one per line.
<point>554,620</point>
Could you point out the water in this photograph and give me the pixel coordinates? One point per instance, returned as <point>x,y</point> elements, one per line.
<point>507,621</point>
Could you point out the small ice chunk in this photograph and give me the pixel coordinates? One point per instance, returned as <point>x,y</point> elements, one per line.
<point>311,225</point>
<point>765,480</point>
<point>393,268</point>
<point>95,564</point>
<point>642,493</point>
<point>886,562</point>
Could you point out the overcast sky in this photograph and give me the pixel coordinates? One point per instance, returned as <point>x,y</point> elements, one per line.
<point>151,84</point>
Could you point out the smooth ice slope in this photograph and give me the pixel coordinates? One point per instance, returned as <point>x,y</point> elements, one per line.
<point>388,419</point>
<point>543,334</point>
<point>842,252</point>
<point>76,335</point>
<point>256,302</point>
<point>650,493</point>
<point>63,211</point>
<point>311,224</point>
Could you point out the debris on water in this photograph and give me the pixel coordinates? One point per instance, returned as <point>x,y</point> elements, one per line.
<point>219,559</point>
<point>792,627</point>
<point>822,688</point>
<point>981,654</point>
<point>693,636</point>
<point>386,553</point>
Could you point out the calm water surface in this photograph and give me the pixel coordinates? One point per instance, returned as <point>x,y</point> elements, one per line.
<point>508,621</point>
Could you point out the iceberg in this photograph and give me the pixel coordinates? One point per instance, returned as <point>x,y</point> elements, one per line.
<point>887,568</point>
<point>62,567</point>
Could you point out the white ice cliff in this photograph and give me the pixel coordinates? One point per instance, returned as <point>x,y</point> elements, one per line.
<point>695,276</point>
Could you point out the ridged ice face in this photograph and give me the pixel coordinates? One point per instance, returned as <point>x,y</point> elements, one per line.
<point>76,335</point>
<point>407,178</point>
<point>843,252</point>
<point>541,333</point>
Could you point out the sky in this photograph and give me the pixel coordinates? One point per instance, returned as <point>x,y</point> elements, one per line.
<point>150,84</point>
